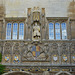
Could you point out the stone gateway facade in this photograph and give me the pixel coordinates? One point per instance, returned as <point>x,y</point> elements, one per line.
<point>40,42</point>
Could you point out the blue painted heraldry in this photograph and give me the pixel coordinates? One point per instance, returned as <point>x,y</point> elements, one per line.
<point>36,51</point>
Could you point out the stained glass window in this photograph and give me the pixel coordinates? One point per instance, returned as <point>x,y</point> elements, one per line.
<point>21,31</point>
<point>64,32</point>
<point>57,30</point>
<point>51,31</point>
<point>8,31</point>
<point>15,30</point>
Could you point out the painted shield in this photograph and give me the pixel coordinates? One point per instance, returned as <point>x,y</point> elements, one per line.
<point>74,58</point>
<point>6,58</point>
<point>55,58</point>
<point>65,58</point>
<point>16,58</point>
<point>35,51</point>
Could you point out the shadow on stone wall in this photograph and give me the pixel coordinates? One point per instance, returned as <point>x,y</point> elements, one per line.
<point>71,9</point>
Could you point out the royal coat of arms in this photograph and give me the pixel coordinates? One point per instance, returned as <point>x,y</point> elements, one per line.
<point>35,51</point>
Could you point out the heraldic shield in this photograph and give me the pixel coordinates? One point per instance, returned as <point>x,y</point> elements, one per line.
<point>35,51</point>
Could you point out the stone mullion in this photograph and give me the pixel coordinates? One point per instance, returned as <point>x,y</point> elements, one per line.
<point>60,31</point>
<point>12,31</point>
<point>54,31</point>
<point>18,31</point>
<point>24,30</point>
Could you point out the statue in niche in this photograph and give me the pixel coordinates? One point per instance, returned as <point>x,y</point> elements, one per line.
<point>36,32</point>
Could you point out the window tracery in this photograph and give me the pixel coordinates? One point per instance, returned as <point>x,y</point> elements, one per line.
<point>57,30</point>
<point>15,29</point>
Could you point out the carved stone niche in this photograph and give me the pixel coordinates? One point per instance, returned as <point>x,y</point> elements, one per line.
<point>36,31</point>
<point>36,15</point>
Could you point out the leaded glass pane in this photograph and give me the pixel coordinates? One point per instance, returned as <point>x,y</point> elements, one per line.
<point>51,31</point>
<point>15,29</point>
<point>64,32</point>
<point>21,31</point>
<point>8,31</point>
<point>57,30</point>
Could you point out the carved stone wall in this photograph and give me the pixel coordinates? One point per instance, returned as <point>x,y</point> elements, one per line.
<point>52,53</point>
<point>41,54</point>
